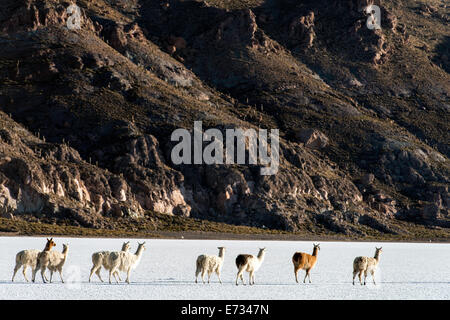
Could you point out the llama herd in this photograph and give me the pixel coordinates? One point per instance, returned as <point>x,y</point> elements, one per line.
<point>125,261</point>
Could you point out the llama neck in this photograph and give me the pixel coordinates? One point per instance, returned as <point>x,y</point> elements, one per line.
<point>261,256</point>
<point>221,254</point>
<point>47,247</point>
<point>315,252</point>
<point>138,253</point>
<point>65,252</point>
<point>377,256</point>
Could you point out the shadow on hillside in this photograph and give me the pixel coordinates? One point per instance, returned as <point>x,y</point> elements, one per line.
<point>442,56</point>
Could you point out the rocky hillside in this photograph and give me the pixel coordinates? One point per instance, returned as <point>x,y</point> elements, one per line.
<point>86,115</point>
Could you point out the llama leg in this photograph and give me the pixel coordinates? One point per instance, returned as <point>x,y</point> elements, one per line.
<point>98,274</point>
<point>16,268</point>
<point>296,274</point>
<point>209,276</point>
<point>128,275</point>
<point>306,274</point>
<point>359,276</point>
<point>253,277</point>
<point>354,276</point>
<point>45,277</point>
<point>33,274</point>
<point>238,276</point>
<point>96,270</point>
<point>60,275</point>
<point>365,276</point>
<point>92,272</point>
<point>203,276</point>
<point>218,275</point>
<point>242,275</point>
<point>42,274</point>
<point>51,276</point>
<point>110,272</point>
<point>250,278</point>
<point>118,274</point>
<point>24,273</point>
<point>309,275</point>
<point>197,272</point>
<point>373,277</point>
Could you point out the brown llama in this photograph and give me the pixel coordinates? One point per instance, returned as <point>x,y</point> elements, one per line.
<point>304,261</point>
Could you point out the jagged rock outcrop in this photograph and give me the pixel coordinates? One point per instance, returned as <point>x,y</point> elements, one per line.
<point>30,15</point>
<point>44,178</point>
<point>301,30</point>
<point>312,138</point>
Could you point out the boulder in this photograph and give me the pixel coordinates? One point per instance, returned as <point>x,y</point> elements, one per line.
<point>368,179</point>
<point>312,138</point>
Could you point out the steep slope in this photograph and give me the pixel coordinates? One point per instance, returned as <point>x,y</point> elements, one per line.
<point>87,114</point>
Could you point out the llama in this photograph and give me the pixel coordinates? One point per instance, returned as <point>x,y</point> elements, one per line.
<point>366,264</point>
<point>57,263</point>
<point>210,264</point>
<point>124,261</point>
<point>100,259</point>
<point>28,258</point>
<point>304,261</point>
<point>249,263</point>
<point>52,260</point>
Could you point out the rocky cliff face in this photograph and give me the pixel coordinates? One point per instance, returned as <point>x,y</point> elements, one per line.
<point>86,115</point>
